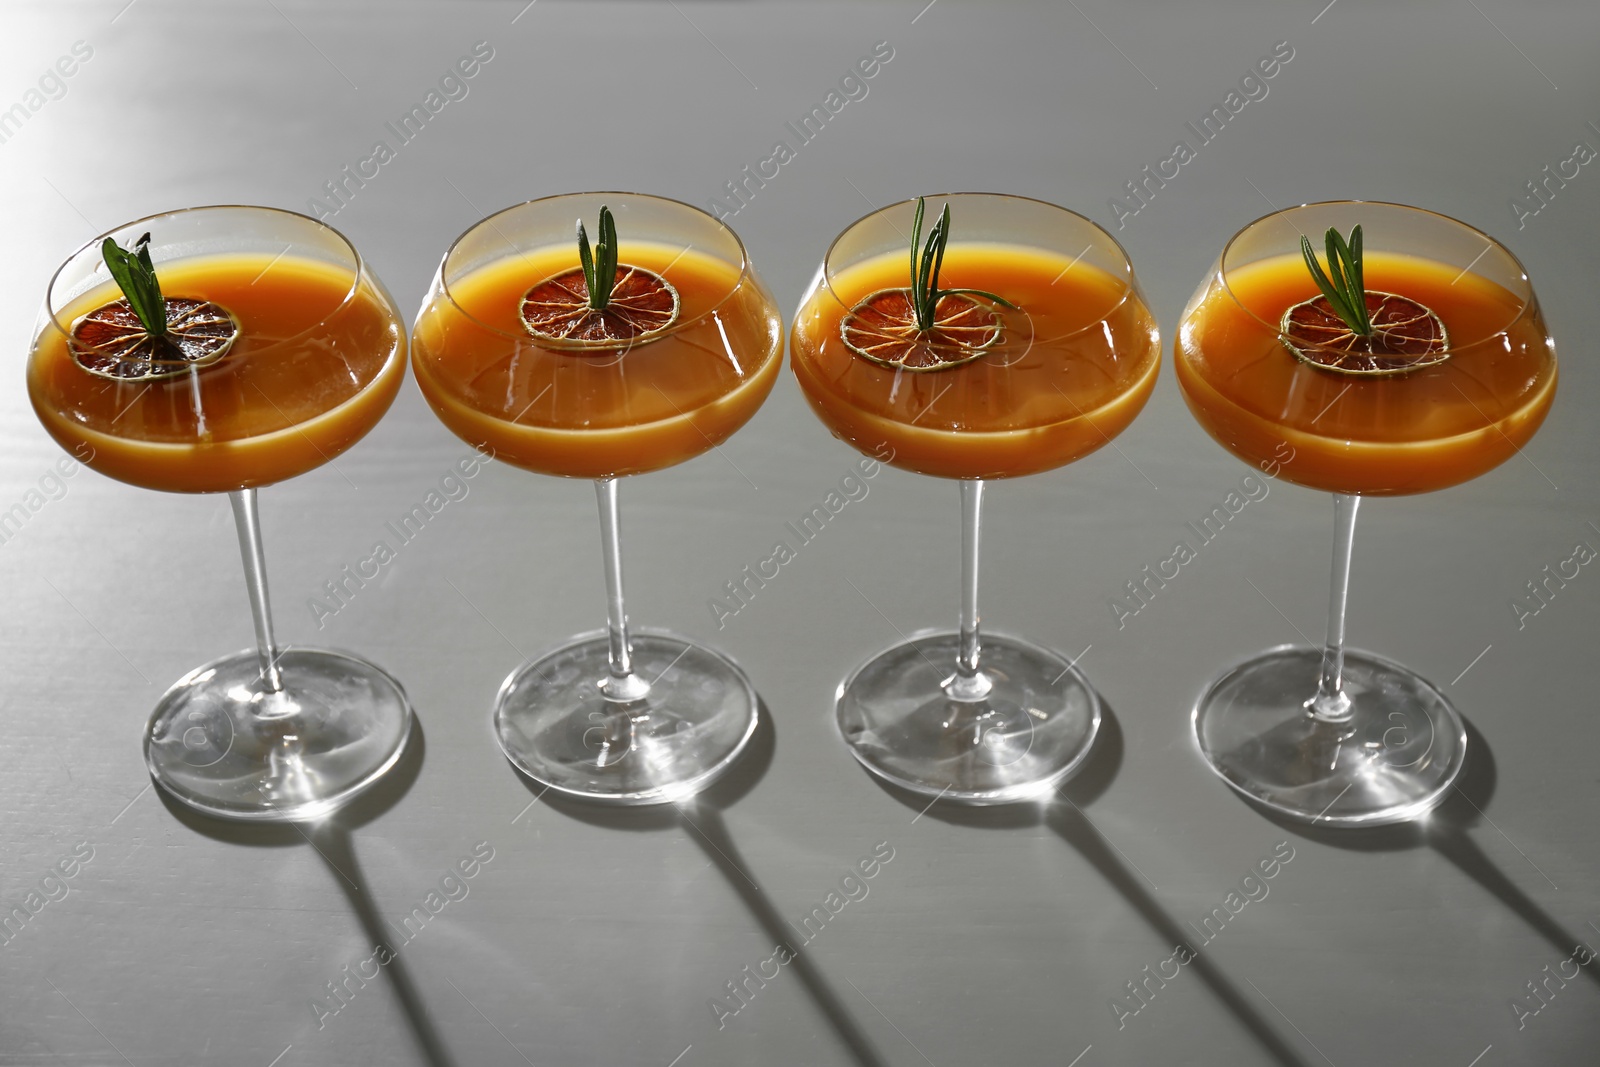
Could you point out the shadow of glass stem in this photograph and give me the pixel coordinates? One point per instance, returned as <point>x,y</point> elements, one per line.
<point>1062,812</point>
<point>706,827</point>
<point>332,840</point>
<point>333,844</point>
<point>1448,830</point>
<point>701,819</point>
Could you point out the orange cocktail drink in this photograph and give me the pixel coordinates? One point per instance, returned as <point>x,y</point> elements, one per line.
<point>318,359</point>
<point>596,412</point>
<point>1373,435</point>
<point>1075,362</point>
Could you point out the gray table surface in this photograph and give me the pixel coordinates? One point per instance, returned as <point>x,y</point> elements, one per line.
<point>1003,936</point>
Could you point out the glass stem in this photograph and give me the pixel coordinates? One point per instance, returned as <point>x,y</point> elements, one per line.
<point>621,684</point>
<point>255,576</point>
<point>1331,704</point>
<point>969,682</point>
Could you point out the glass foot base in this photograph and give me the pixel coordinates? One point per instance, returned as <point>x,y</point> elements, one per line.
<point>554,725</point>
<point>223,743</point>
<point>1030,731</point>
<point>1393,761</point>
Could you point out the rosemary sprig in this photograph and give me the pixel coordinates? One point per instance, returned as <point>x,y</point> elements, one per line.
<point>599,268</point>
<point>925,291</point>
<point>136,277</point>
<point>1346,291</point>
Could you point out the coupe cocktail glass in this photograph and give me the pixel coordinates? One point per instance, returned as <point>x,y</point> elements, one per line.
<point>283,350</point>
<point>1037,349</point>
<point>515,362</point>
<point>1335,735</point>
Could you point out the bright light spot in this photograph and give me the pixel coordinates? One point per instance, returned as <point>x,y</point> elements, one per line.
<point>681,793</point>
<point>1042,792</point>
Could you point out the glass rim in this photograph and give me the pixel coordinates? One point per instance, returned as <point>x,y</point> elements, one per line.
<point>1526,303</point>
<point>1129,279</point>
<point>358,273</point>
<point>562,344</point>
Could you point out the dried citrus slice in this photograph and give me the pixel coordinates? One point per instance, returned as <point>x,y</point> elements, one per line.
<point>642,303</point>
<point>883,329</point>
<point>1406,336</point>
<point>111,342</point>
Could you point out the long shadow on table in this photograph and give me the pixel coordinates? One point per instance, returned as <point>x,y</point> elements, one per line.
<point>333,843</point>
<point>1063,813</point>
<point>331,838</point>
<point>1446,831</point>
<point>701,818</point>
